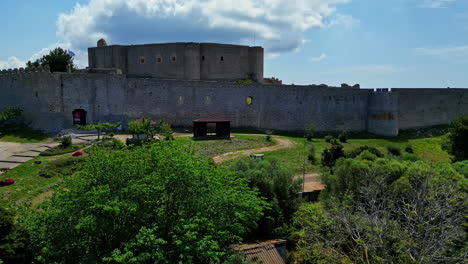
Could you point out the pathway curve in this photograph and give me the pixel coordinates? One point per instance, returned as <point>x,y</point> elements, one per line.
<point>282,143</point>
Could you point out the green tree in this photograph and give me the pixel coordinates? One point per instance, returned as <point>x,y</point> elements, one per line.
<point>277,185</point>
<point>309,131</point>
<point>100,127</point>
<point>161,204</point>
<point>141,126</point>
<point>458,139</point>
<point>14,242</point>
<point>57,59</point>
<point>10,113</point>
<point>378,210</point>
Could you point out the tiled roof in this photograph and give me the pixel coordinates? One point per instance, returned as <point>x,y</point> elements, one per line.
<point>269,252</point>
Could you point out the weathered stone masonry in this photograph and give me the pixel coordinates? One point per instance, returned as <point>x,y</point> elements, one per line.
<point>48,100</point>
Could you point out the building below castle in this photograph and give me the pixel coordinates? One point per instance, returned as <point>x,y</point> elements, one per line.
<point>180,61</point>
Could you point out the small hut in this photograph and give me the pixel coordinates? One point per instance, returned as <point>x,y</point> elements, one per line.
<point>211,128</point>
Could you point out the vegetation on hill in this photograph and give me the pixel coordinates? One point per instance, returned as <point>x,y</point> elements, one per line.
<point>381,210</point>
<point>159,204</point>
<point>457,143</point>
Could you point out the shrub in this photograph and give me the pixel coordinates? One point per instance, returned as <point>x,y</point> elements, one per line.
<point>461,167</point>
<point>276,184</point>
<point>343,137</point>
<point>309,132</point>
<point>61,167</point>
<point>409,148</point>
<point>394,150</point>
<point>367,155</point>
<point>311,155</point>
<point>410,157</point>
<point>332,154</point>
<point>269,133</point>
<point>329,138</point>
<point>166,130</point>
<point>114,143</point>
<point>457,144</point>
<point>65,142</point>
<point>59,150</point>
<point>355,152</point>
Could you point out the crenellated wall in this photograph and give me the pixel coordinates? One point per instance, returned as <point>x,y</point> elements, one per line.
<point>48,100</point>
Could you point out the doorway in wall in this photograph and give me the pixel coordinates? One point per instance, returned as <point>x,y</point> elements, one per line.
<point>79,117</point>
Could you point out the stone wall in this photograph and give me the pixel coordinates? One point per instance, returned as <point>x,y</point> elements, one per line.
<point>181,61</point>
<point>49,99</point>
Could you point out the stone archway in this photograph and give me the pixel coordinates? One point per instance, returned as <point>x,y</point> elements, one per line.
<point>79,117</point>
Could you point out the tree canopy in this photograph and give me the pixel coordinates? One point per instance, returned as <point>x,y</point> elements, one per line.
<point>159,204</point>
<point>377,210</point>
<point>57,59</point>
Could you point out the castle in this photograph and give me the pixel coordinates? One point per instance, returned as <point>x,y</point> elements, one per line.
<point>179,82</point>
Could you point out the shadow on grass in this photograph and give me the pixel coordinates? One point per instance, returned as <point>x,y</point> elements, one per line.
<point>21,133</point>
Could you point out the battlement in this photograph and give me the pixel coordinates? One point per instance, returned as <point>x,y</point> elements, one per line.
<point>25,70</point>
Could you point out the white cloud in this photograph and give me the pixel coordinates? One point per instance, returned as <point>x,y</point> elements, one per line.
<point>345,20</point>
<point>322,57</point>
<point>12,63</point>
<point>455,54</point>
<point>436,3</point>
<point>277,25</point>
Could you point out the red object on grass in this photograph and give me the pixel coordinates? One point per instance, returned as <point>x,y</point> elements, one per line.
<point>77,154</point>
<point>7,182</point>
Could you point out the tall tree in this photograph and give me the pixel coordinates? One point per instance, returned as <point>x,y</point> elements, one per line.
<point>58,60</point>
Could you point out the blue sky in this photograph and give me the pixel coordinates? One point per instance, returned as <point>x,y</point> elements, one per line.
<point>376,43</point>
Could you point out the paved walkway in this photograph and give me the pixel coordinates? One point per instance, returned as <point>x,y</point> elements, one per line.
<point>14,154</point>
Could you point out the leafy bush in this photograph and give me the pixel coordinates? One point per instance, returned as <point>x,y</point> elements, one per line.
<point>14,241</point>
<point>269,133</point>
<point>356,151</point>
<point>462,167</point>
<point>59,150</point>
<point>329,138</point>
<point>276,184</point>
<point>309,132</point>
<point>62,167</point>
<point>113,143</point>
<point>394,150</point>
<point>458,139</point>
<point>332,154</point>
<point>66,142</point>
<point>367,155</point>
<point>311,155</point>
<point>410,157</point>
<point>385,211</point>
<point>343,137</point>
<point>100,127</point>
<point>160,204</point>
<point>142,126</point>
<point>166,130</point>
<point>409,148</point>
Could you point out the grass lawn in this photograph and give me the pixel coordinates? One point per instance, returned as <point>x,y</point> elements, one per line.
<point>22,134</point>
<point>427,148</point>
<point>28,182</point>
<point>217,147</point>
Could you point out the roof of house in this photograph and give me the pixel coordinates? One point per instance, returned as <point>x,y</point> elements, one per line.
<point>263,253</point>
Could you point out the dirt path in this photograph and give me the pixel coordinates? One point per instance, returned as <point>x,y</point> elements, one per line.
<point>282,143</point>
<point>312,182</point>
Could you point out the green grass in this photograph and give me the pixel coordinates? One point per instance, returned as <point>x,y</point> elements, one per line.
<point>22,134</point>
<point>428,148</point>
<point>59,150</point>
<point>211,148</point>
<point>28,182</point>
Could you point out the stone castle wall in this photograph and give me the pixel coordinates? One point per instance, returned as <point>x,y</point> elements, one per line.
<point>181,61</point>
<point>48,100</point>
